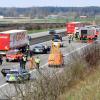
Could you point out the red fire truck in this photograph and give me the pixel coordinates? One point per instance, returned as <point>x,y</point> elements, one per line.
<point>73,27</point>
<point>13,39</point>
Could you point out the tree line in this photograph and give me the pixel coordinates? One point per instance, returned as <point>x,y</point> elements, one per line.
<point>41,12</point>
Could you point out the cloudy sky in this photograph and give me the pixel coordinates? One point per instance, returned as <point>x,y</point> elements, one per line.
<point>62,3</point>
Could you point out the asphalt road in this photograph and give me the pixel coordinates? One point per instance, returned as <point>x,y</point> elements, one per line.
<point>67,49</point>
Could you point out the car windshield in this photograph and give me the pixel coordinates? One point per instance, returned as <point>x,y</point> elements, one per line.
<point>13,72</point>
<point>52,31</point>
<point>56,40</point>
<point>39,47</point>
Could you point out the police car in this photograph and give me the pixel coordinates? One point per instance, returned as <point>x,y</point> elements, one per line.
<point>15,75</point>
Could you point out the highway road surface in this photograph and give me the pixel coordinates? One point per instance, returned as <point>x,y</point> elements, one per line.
<point>66,50</point>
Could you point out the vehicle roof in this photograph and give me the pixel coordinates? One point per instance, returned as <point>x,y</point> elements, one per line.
<point>12,31</point>
<point>14,70</point>
<point>39,45</point>
<point>55,40</point>
<point>15,50</point>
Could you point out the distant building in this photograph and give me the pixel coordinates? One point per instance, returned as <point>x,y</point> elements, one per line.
<point>52,16</point>
<point>83,16</point>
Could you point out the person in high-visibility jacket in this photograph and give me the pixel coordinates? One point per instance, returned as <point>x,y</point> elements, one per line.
<point>37,61</point>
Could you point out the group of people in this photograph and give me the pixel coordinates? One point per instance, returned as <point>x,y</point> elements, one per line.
<point>33,62</point>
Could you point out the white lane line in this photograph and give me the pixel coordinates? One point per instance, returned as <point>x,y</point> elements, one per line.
<point>76,50</point>
<point>40,66</point>
<point>47,63</point>
<point>3,85</point>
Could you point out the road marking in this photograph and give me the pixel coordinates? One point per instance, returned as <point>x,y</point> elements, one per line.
<point>47,63</point>
<point>76,50</point>
<point>3,85</point>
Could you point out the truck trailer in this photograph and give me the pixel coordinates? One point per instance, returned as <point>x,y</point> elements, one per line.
<point>13,39</point>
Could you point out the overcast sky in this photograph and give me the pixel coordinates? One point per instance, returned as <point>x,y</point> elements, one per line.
<point>58,3</point>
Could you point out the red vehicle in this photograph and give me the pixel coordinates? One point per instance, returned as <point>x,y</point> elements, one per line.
<point>96,29</point>
<point>13,39</point>
<point>86,33</point>
<point>13,55</point>
<point>73,27</point>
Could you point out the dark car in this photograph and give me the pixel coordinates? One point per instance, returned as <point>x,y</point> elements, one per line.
<point>17,75</point>
<point>52,32</point>
<point>41,49</point>
<point>57,36</point>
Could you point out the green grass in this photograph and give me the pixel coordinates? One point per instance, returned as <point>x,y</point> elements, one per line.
<point>36,31</point>
<point>49,20</point>
<point>42,30</point>
<point>89,89</point>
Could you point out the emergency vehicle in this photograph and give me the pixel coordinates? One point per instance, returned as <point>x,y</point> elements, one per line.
<point>97,29</point>
<point>72,28</point>
<point>88,33</point>
<point>13,39</point>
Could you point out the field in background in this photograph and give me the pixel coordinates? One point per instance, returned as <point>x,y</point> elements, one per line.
<point>54,20</point>
<point>49,20</point>
<point>42,30</point>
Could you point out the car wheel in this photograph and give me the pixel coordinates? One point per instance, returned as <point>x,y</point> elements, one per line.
<point>7,60</point>
<point>29,77</point>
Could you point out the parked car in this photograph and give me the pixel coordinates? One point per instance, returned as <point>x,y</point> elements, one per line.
<point>17,76</point>
<point>13,55</point>
<point>57,42</point>
<point>39,49</point>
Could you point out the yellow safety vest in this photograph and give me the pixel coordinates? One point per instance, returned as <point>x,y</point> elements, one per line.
<point>37,60</point>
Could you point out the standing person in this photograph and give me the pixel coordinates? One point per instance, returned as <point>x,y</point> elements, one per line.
<point>1,59</point>
<point>24,60</point>
<point>37,61</point>
<point>28,50</point>
<point>72,37</point>
<point>31,62</point>
<point>21,62</point>
<point>69,39</point>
